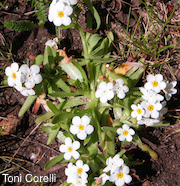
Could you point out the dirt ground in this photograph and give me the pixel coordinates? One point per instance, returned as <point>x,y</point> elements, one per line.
<point>26,138</point>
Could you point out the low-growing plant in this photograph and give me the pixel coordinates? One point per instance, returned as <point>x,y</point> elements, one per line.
<point>93,111</point>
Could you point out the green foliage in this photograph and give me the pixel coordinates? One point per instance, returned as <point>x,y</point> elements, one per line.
<point>19,25</point>
<point>40,7</point>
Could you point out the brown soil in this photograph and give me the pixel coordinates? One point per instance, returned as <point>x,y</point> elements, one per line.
<point>26,136</point>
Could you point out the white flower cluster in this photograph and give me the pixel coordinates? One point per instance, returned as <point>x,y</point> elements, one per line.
<point>119,172</point>
<point>107,91</point>
<point>152,109</point>
<point>77,174</point>
<point>23,78</point>
<point>59,12</point>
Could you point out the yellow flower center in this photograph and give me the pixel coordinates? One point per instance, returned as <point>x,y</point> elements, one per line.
<point>70,149</point>
<point>79,171</point>
<point>150,107</point>
<point>154,83</point>
<point>139,111</point>
<point>14,75</point>
<point>61,14</point>
<point>125,132</point>
<point>120,175</point>
<point>81,127</point>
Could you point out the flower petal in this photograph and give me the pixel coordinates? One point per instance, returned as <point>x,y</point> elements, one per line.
<point>24,69</point>
<point>66,20</point>
<point>89,129</point>
<point>76,120</point>
<point>129,138</point>
<point>58,21</point>
<point>37,78</point>
<point>75,155</point>
<point>74,129</point>
<point>81,135</point>
<point>14,67</point>
<point>68,10</point>
<point>29,84</point>
<point>85,120</point>
<point>76,145</point>
<point>8,71</point>
<point>35,69</point>
<point>63,148</point>
<point>67,156</point>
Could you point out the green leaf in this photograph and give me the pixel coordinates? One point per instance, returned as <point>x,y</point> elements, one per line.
<point>71,70</point>
<point>46,129</point>
<point>93,41</point>
<point>94,12</point>
<point>102,158</point>
<point>110,145</point>
<point>106,129</point>
<point>28,102</point>
<point>103,60</point>
<point>62,117</point>
<point>69,26</point>
<point>75,102</point>
<point>54,161</point>
<point>116,76</point>
<point>138,140</point>
<point>53,133</point>
<point>44,117</point>
<point>38,60</point>
<point>60,83</point>
<point>64,94</point>
<point>19,25</point>
<point>101,50</point>
<point>134,78</point>
<point>52,107</point>
<point>161,124</point>
<point>104,117</point>
<point>49,55</point>
<point>83,73</point>
<point>122,152</point>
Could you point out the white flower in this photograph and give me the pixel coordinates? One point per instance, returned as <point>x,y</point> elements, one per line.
<point>120,88</point>
<point>169,90</point>
<point>14,75</point>
<point>105,92</point>
<point>31,74</point>
<point>59,14</point>
<point>125,133</point>
<point>151,109</point>
<point>69,2</point>
<point>25,91</point>
<point>155,83</point>
<point>163,111</point>
<point>138,111</point>
<point>71,174</point>
<point>104,177</point>
<point>77,174</point>
<point>113,163</point>
<point>148,121</point>
<point>52,43</point>
<point>81,127</point>
<point>150,95</point>
<point>70,149</point>
<point>121,176</point>
<point>81,169</point>
<point>80,182</point>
